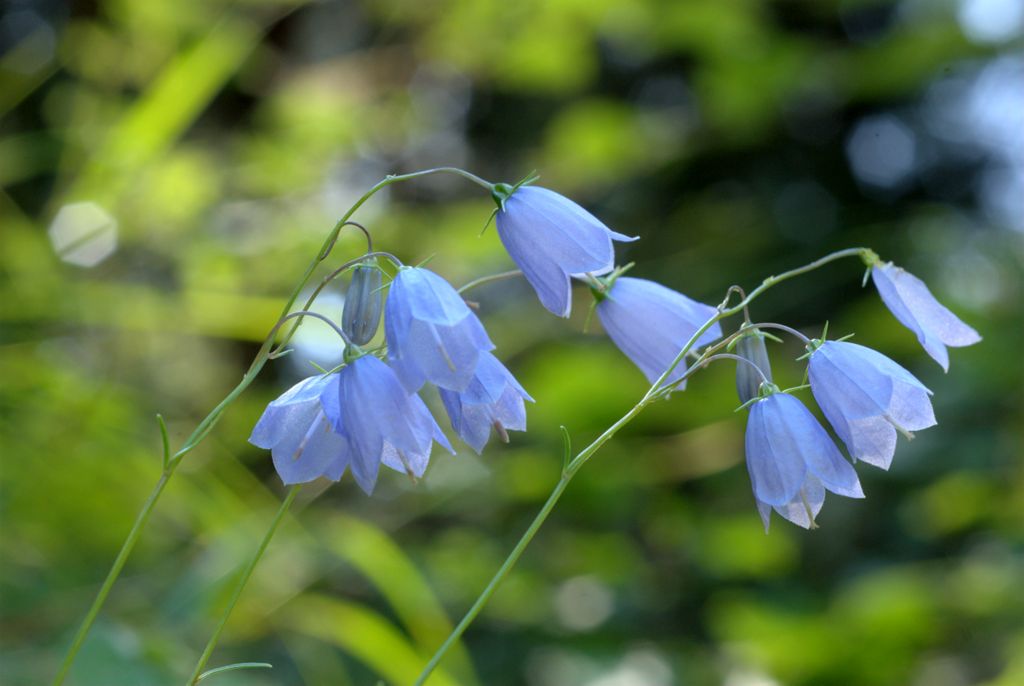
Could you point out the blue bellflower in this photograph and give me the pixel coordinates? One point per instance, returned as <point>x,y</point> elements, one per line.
<point>867,398</point>
<point>792,460</point>
<point>383,422</point>
<point>552,238</point>
<point>651,323</point>
<point>432,335</point>
<point>910,301</point>
<point>301,441</point>
<point>493,399</point>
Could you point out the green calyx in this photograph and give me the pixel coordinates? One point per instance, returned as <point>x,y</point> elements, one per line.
<point>501,192</point>
<point>352,353</point>
<point>870,257</point>
<point>765,390</point>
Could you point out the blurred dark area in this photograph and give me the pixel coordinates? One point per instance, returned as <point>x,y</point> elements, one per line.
<point>168,169</point>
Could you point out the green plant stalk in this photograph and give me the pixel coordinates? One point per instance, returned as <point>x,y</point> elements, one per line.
<point>570,470</point>
<point>240,586</point>
<point>207,424</point>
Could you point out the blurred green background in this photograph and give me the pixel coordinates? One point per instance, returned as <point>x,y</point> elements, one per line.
<point>168,168</point>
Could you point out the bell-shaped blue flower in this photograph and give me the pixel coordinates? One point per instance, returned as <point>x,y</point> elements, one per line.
<point>867,398</point>
<point>366,402</point>
<point>787,449</point>
<point>301,440</point>
<point>651,323</point>
<point>492,400</point>
<point>910,301</point>
<point>432,335</point>
<point>802,509</point>
<point>552,238</point>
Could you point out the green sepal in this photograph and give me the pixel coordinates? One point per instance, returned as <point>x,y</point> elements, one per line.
<point>501,192</point>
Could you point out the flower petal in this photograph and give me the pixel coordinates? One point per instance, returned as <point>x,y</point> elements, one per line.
<point>802,509</point>
<point>774,462</point>
<point>318,452</point>
<point>910,301</point>
<point>651,323</point>
<point>291,412</point>
<point>798,430</point>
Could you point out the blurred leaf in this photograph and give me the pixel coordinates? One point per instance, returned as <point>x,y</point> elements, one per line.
<point>362,633</point>
<point>371,551</point>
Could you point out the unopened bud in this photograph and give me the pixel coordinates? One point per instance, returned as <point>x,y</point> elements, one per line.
<point>748,380</point>
<point>361,316</point>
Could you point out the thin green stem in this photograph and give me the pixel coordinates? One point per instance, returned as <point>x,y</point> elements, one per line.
<point>208,423</point>
<point>488,279</point>
<point>240,586</point>
<point>115,571</point>
<point>652,394</point>
<point>506,567</point>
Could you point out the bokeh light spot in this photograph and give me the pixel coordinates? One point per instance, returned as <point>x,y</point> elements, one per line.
<point>83,234</point>
<point>882,151</point>
<point>991,21</point>
<point>583,603</point>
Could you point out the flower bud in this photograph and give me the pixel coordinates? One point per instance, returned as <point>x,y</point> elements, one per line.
<point>361,316</point>
<point>748,381</point>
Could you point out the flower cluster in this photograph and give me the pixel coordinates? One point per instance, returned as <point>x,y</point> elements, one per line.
<point>369,412</point>
<point>866,398</point>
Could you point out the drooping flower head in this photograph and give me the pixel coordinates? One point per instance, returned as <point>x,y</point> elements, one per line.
<point>383,421</point>
<point>910,301</point>
<point>651,323</point>
<point>432,335</point>
<point>790,457</point>
<point>301,441</point>
<point>492,400</point>
<point>867,398</point>
<point>552,238</point>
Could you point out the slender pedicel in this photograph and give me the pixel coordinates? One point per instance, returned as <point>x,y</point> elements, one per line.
<point>501,276</point>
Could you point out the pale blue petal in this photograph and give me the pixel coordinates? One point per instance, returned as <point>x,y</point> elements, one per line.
<point>289,413</point>
<point>811,495</point>
<point>774,461</point>
<point>855,392</point>
<point>864,395</point>
<point>493,396</point>
<point>318,452</point>
<point>299,436</point>
<point>376,409</point>
<point>871,440</point>
<point>445,355</point>
<point>548,279</point>
<point>796,429</point>
<point>431,333</point>
<point>651,323</point>
<point>430,298</point>
<point>903,398</point>
<point>910,301</point>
